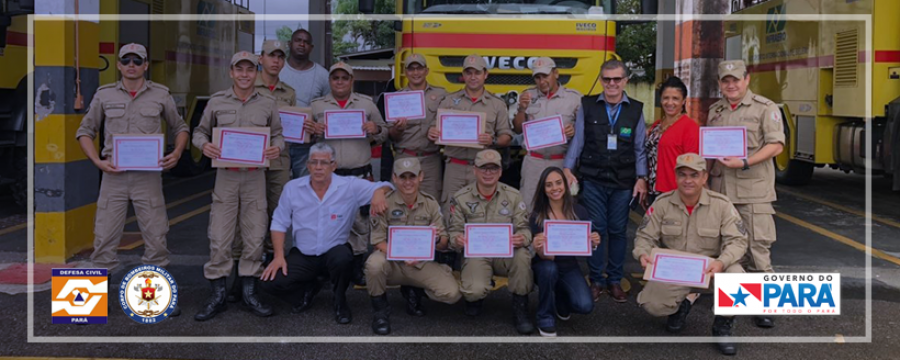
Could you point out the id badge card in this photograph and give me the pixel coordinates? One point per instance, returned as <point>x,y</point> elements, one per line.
<point>611,142</point>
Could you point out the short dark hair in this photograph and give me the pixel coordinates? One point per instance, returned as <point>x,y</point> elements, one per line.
<point>298,31</point>
<point>614,64</point>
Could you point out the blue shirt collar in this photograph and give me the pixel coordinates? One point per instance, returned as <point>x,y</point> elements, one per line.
<point>624,98</point>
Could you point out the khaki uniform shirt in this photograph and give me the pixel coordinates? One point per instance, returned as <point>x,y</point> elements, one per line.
<point>565,103</point>
<point>122,114</point>
<point>468,206</point>
<point>225,109</point>
<point>351,153</point>
<point>425,212</point>
<point>714,229</point>
<point>415,136</point>
<point>284,96</point>
<point>497,119</point>
<point>764,126</point>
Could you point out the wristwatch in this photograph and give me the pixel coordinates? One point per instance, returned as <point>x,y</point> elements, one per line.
<point>746,165</point>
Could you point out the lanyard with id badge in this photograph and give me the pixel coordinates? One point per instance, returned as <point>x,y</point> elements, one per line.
<point>612,140</point>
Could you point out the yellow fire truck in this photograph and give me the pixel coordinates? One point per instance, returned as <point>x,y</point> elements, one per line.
<point>817,71</point>
<point>14,95</point>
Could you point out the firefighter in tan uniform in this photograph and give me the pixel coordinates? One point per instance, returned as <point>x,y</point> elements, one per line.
<point>410,137</point>
<point>547,98</point>
<point>407,206</point>
<point>716,231</point>
<point>353,156</point>
<point>239,193</point>
<point>271,60</point>
<point>473,97</point>
<point>487,201</point>
<point>749,183</point>
<point>131,106</point>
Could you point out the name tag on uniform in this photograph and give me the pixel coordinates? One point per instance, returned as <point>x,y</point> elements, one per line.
<point>611,142</point>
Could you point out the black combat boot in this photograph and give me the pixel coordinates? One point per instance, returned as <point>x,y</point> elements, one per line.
<point>722,328</point>
<point>215,303</point>
<point>764,321</point>
<point>520,309</point>
<point>413,296</point>
<point>381,313</point>
<point>250,298</point>
<point>677,320</point>
<point>234,294</point>
<point>309,293</point>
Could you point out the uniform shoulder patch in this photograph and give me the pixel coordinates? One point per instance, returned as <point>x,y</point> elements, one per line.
<point>157,85</point>
<point>267,96</point>
<point>219,94</point>
<point>363,96</point>
<point>318,99</point>
<point>761,99</point>
<point>717,103</point>
<point>107,86</point>
<point>574,92</point>
<point>427,196</point>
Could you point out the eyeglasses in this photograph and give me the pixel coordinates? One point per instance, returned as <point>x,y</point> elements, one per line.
<point>129,60</point>
<point>612,79</point>
<point>489,169</point>
<point>315,163</point>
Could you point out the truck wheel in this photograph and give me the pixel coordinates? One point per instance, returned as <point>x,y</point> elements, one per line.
<point>20,177</point>
<point>790,171</point>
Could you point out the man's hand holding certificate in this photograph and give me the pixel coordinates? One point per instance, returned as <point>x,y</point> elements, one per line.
<point>411,243</point>
<point>294,124</point>
<point>408,105</point>
<point>489,241</point>
<point>544,133</point>
<point>679,268</point>
<point>567,238</point>
<point>345,124</point>
<point>138,152</point>
<point>723,142</point>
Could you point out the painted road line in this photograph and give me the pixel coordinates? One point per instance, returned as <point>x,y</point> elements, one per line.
<point>189,215</point>
<point>843,208</point>
<point>839,238</point>
<point>13,228</point>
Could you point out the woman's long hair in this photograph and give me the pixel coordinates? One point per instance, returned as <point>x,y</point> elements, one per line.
<point>541,202</point>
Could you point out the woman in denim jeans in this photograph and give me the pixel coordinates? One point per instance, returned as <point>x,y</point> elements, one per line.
<point>562,288</point>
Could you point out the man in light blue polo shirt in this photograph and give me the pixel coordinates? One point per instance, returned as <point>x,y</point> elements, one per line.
<point>321,208</point>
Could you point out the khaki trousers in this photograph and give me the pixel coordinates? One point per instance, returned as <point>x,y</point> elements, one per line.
<point>238,196</point>
<point>275,180</point>
<point>661,299</point>
<point>760,224</point>
<point>144,190</point>
<point>436,279</point>
<point>475,279</point>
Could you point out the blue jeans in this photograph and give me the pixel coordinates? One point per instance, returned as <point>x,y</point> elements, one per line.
<point>561,288</point>
<point>609,211</point>
<point>299,156</point>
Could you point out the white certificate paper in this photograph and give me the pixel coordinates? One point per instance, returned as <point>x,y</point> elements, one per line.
<point>544,133</point>
<point>489,241</point>
<point>723,141</point>
<point>411,243</point>
<point>345,124</point>
<point>244,147</point>
<point>567,238</point>
<point>459,128</point>
<point>404,104</point>
<point>679,268</point>
<point>292,126</point>
<point>138,152</point>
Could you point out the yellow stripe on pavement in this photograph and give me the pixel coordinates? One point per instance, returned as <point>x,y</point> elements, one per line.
<point>839,238</point>
<point>843,208</point>
<point>13,228</point>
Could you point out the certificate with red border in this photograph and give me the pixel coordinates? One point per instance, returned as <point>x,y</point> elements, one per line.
<point>243,147</point>
<point>410,243</point>
<point>292,126</point>
<point>489,241</point>
<point>544,133</point>
<point>678,268</point>
<point>345,124</point>
<point>460,128</point>
<point>138,152</point>
<point>404,104</point>
<point>723,141</point>
<point>567,238</point>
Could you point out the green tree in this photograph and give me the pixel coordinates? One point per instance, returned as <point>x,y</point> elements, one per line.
<point>353,35</point>
<point>636,43</point>
<point>284,33</point>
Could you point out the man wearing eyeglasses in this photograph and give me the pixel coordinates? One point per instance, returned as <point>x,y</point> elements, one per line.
<point>133,105</point>
<point>488,201</point>
<point>609,148</point>
<point>321,209</point>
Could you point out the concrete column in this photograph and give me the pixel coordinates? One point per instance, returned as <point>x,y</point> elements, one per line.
<point>321,33</point>
<point>665,48</point>
<point>699,47</point>
<point>66,183</point>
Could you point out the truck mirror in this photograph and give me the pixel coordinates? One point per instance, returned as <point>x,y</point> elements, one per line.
<point>366,6</point>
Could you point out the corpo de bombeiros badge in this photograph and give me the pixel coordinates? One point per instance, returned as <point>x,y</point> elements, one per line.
<point>148,294</point>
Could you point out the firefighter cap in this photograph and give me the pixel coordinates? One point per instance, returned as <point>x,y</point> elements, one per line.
<point>690,160</point>
<point>543,65</point>
<point>133,48</point>
<point>340,65</point>
<point>489,156</point>
<point>734,68</point>
<point>270,46</point>
<point>415,59</point>
<point>474,61</point>
<point>244,56</point>
<point>407,165</point>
